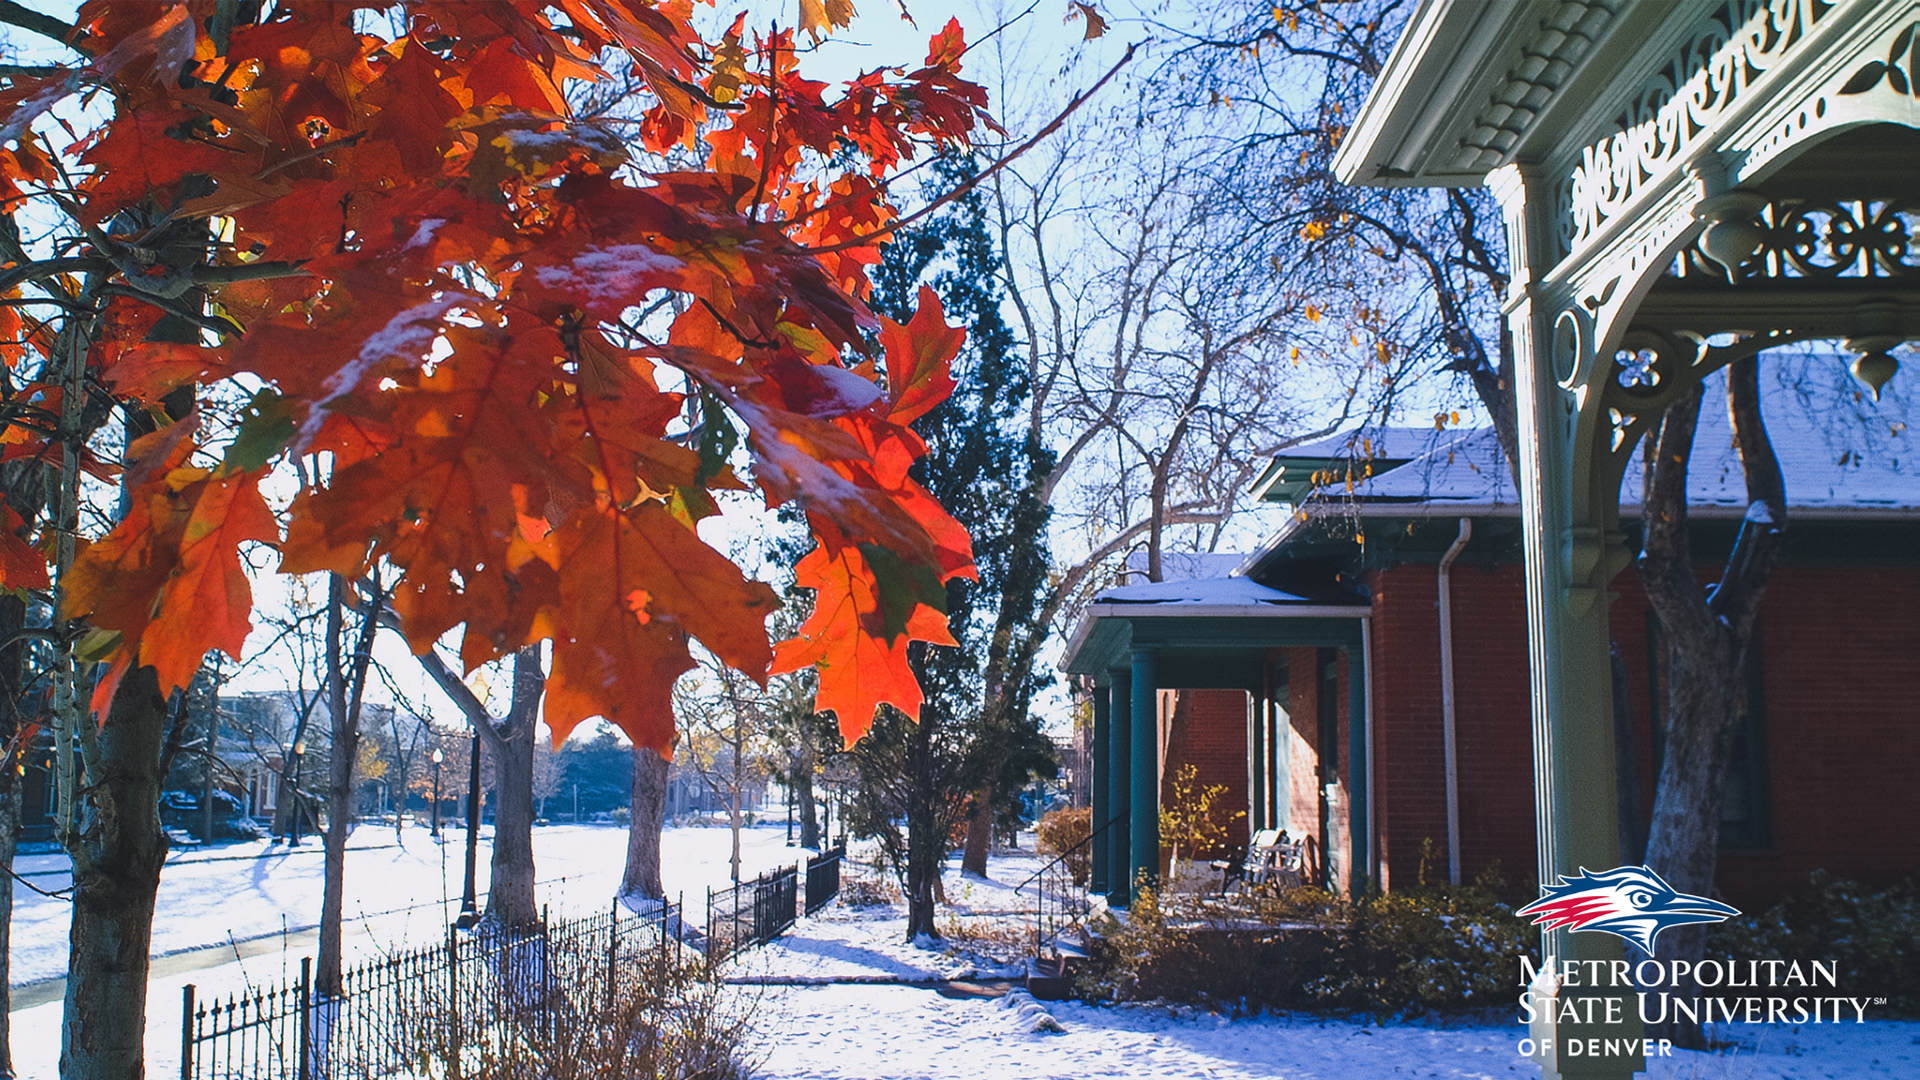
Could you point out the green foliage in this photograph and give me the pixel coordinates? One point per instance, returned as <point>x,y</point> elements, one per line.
<point>975,730</point>
<point>603,767</point>
<point>1405,952</point>
<point>1061,831</point>
<point>1873,936</point>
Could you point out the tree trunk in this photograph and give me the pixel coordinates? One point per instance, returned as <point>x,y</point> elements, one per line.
<point>345,689</point>
<point>645,819</point>
<point>806,763</point>
<point>1707,634</point>
<point>510,896</point>
<point>926,848</point>
<point>510,899</point>
<point>116,875</point>
<point>979,834</point>
<point>809,811</point>
<point>342,756</point>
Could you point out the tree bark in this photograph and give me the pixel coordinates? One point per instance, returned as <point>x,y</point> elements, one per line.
<point>645,819</point>
<point>1626,767</point>
<point>510,896</point>
<point>116,875</point>
<point>806,763</point>
<point>926,848</point>
<point>973,859</point>
<point>1708,633</point>
<point>345,689</point>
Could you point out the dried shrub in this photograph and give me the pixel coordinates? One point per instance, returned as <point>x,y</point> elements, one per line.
<point>860,891</point>
<point>655,1013</point>
<point>1872,936</point>
<point>1066,830</point>
<point>1406,952</point>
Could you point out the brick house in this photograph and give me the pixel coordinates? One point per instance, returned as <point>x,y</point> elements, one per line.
<point>1256,676</point>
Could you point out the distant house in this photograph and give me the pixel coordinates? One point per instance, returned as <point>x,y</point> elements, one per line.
<point>1310,680</point>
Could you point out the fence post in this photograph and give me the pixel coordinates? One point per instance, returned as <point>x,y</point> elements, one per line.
<point>186,1032</point>
<point>613,950</point>
<point>453,1000</point>
<point>302,1066</point>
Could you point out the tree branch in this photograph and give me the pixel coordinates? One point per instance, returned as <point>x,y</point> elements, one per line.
<point>45,25</point>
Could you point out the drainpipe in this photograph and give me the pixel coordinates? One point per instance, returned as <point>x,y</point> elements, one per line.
<point>1446,699</point>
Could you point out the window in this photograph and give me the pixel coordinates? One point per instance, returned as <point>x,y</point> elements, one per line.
<point>1329,707</point>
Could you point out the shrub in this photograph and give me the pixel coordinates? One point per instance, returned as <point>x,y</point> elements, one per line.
<point>1063,830</point>
<point>1873,936</point>
<point>662,1013</point>
<point>1409,951</point>
<point>859,890</point>
<point>1195,822</point>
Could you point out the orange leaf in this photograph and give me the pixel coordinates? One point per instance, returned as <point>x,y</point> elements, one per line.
<point>920,359</point>
<point>207,602</point>
<point>21,567</point>
<point>859,669</point>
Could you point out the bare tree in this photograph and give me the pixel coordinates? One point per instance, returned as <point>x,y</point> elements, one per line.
<point>724,721</point>
<point>549,772</point>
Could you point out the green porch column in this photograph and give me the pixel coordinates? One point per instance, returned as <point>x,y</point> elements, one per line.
<point>1280,756</point>
<point>1119,783</point>
<point>1099,776</point>
<point>1143,867</point>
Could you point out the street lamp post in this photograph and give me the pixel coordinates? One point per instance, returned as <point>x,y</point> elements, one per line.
<point>469,908</point>
<point>293,790</point>
<point>438,757</point>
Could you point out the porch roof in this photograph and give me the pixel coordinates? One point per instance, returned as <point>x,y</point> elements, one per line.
<point>1209,632</point>
<point>1477,84</point>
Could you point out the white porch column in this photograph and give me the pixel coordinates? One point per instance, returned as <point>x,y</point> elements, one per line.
<point>1569,566</point>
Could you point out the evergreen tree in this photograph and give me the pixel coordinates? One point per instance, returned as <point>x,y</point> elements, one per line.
<point>976,743</point>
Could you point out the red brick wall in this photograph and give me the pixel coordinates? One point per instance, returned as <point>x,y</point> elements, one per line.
<point>1303,809</point>
<point>1492,722</point>
<point>1209,732</point>
<point>1842,723</point>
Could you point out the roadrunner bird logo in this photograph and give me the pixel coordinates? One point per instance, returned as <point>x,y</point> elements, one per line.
<point>1631,902</point>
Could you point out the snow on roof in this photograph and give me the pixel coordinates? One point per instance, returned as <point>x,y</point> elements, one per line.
<point>1373,441</point>
<point>1838,451</point>
<point>1186,565</point>
<point>1208,592</point>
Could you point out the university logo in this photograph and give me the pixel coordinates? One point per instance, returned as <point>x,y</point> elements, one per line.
<point>1631,902</point>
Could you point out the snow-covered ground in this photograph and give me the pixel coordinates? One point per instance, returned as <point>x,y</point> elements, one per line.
<point>843,995</point>
<point>256,901</point>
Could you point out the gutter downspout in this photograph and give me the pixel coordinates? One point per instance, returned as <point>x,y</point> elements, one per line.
<point>1372,863</point>
<point>1446,699</point>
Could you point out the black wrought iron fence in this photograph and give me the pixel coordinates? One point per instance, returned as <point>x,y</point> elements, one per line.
<point>494,989</point>
<point>751,913</point>
<point>823,878</point>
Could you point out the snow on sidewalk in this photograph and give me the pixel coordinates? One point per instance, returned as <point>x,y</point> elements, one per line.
<point>907,1033</point>
<point>855,1021</point>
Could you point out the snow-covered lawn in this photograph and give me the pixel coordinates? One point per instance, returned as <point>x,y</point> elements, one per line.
<point>843,995</point>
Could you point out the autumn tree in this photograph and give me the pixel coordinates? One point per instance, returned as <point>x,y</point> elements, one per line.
<point>423,270</point>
